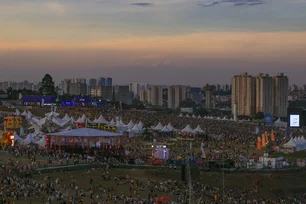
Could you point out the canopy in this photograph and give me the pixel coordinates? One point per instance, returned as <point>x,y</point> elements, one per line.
<point>54,114</point>
<point>17,138</point>
<point>42,142</point>
<point>290,144</point>
<point>140,124</point>
<point>159,126</point>
<point>24,113</point>
<point>136,129</point>
<point>86,132</point>
<point>28,139</point>
<point>82,119</point>
<point>181,115</point>
<point>279,123</point>
<point>60,122</point>
<point>198,130</point>
<point>170,127</point>
<point>187,116</point>
<point>131,124</point>
<point>165,129</point>
<point>187,129</point>
<point>66,117</point>
<point>199,117</point>
<point>17,112</point>
<point>193,116</point>
<point>112,122</point>
<point>101,120</point>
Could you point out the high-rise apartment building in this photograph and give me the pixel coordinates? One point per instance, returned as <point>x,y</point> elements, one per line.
<point>108,81</point>
<point>92,82</point>
<point>260,94</point>
<point>264,93</point>
<point>123,94</point>
<point>243,94</point>
<point>101,81</point>
<point>146,95</point>
<point>77,88</point>
<point>136,87</point>
<point>281,84</point>
<point>157,96</point>
<point>176,94</point>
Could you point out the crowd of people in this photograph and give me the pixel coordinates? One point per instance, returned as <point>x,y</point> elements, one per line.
<point>233,139</point>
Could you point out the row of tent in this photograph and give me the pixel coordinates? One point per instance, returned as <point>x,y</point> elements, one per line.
<point>205,117</point>
<point>299,143</point>
<point>170,128</point>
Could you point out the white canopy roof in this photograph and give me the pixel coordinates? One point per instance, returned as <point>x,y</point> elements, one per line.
<point>165,129</point>
<point>101,120</point>
<point>86,132</point>
<point>198,130</point>
<point>140,124</point>
<point>131,124</point>
<point>24,113</point>
<point>72,120</point>
<point>199,117</point>
<point>120,124</point>
<point>42,142</point>
<point>66,117</point>
<point>112,122</point>
<point>29,115</point>
<point>50,114</point>
<point>17,138</point>
<point>136,129</point>
<point>170,127</point>
<point>17,112</point>
<point>82,119</point>
<point>187,129</point>
<point>187,116</point>
<point>28,139</point>
<point>193,116</point>
<point>159,126</point>
<point>181,115</point>
<point>290,144</point>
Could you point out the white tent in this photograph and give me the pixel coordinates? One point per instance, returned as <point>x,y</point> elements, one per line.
<point>165,129</point>
<point>136,129</point>
<point>42,142</point>
<point>170,127</point>
<point>290,144</point>
<point>66,117</point>
<point>101,120</point>
<point>130,124</point>
<point>17,112</point>
<point>29,115</point>
<point>199,117</point>
<point>198,129</point>
<point>82,119</point>
<point>159,126</point>
<point>50,114</point>
<point>41,121</point>
<point>112,122</point>
<point>24,113</point>
<point>85,132</point>
<point>28,139</point>
<point>299,145</point>
<point>140,124</point>
<point>187,116</point>
<point>187,129</point>
<point>302,142</point>
<point>181,115</point>
<point>279,123</point>
<point>60,122</point>
<point>224,118</point>
<point>193,116</point>
<point>72,120</point>
<point>17,139</point>
<point>66,129</point>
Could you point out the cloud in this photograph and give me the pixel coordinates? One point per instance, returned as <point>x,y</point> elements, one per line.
<point>234,3</point>
<point>55,7</point>
<point>142,4</point>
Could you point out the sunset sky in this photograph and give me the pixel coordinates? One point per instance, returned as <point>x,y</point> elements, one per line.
<point>159,41</point>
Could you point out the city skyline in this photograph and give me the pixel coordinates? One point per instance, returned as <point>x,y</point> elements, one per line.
<point>152,40</point>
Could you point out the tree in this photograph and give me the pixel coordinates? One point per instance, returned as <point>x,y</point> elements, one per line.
<point>9,92</point>
<point>259,115</point>
<point>47,86</point>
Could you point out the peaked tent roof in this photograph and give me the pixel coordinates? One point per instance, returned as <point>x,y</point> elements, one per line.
<point>66,117</point>
<point>42,142</point>
<point>170,127</point>
<point>180,115</point>
<point>199,117</point>
<point>130,124</point>
<point>140,124</point>
<point>159,126</point>
<point>17,138</point>
<point>193,116</point>
<point>291,143</point>
<point>52,114</point>
<point>82,119</point>
<point>198,129</point>
<point>112,122</point>
<point>101,120</point>
<point>86,132</point>
<point>187,129</point>
<point>165,129</point>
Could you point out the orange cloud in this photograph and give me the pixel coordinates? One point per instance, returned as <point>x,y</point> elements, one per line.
<point>228,45</point>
